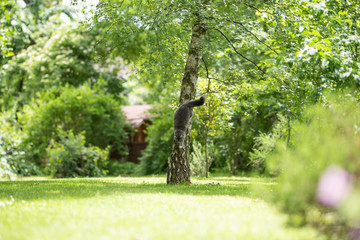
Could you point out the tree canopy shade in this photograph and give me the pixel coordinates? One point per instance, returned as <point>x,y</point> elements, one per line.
<point>272,41</point>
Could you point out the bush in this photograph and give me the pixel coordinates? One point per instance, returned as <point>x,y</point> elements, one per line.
<point>70,158</point>
<point>82,110</point>
<point>5,169</point>
<point>127,168</point>
<point>248,122</point>
<point>155,157</point>
<point>12,153</point>
<point>198,159</point>
<point>327,138</point>
<point>264,144</point>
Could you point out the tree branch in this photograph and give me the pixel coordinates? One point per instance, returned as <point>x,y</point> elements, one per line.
<point>207,74</point>
<point>233,47</point>
<point>228,20</point>
<point>256,9</point>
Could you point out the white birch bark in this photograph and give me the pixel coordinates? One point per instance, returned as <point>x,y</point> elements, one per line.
<point>179,161</point>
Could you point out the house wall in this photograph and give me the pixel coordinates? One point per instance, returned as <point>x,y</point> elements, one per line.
<point>135,151</point>
<point>138,142</point>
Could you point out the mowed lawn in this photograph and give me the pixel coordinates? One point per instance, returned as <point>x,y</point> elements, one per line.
<point>142,208</point>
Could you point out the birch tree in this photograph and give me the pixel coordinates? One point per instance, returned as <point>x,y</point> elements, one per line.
<point>179,161</point>
<point>174,38</point>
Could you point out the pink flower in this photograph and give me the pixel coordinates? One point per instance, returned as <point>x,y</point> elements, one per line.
<point>334,186</point>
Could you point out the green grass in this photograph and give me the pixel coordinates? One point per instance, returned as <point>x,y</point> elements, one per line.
<point>141,208</point>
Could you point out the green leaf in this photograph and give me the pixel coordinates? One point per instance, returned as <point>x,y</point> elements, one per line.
<point>316,33</point>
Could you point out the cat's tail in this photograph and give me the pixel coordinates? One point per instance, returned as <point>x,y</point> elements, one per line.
<point>196,103</point>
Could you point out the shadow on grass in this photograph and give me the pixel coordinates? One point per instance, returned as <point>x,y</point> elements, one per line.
<point>87,188</point>
<point>250,180</point>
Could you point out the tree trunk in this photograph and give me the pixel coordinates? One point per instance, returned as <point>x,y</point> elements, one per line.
<point>179,161</point>
<point>19,104</point>
<point>206,156</point>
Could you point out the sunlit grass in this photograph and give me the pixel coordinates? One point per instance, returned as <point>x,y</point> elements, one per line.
<point>141,208</point>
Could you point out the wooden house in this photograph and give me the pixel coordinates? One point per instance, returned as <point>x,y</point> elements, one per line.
<point>139,117</point>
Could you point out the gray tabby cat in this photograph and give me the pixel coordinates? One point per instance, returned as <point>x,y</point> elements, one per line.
<point>183,115</point>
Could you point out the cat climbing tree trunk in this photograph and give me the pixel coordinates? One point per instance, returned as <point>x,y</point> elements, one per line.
<point>179,161</point>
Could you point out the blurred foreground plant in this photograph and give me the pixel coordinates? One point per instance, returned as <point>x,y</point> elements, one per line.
<point>326,138</point>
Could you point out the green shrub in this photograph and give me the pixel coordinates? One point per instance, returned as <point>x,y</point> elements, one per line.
<point>12,152</point>
<point>127,168</point>
<point>71,158</point>
<point>247,122</point>
<point>328,136</point>
<point>81,110</point>
<point>5,169</point>
<point>198,158</point>
<point>155,157</point>
<point>264,144</point>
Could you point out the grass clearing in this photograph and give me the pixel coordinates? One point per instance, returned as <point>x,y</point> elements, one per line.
<point>141,208</point>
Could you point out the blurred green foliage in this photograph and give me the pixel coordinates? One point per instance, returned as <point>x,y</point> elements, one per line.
<point>64,57</point>
<point>326,135</point>
<point>276,58</point>
<point>21,20</point>
<point>124,169</point>
<point>154,158</point>
<point>5,169</point>
<point>12,152</point>
<point>50,82</point>
<point>82,110</point>
<point>198,158</point>
<point>70,157</point>
<point>265,143</point>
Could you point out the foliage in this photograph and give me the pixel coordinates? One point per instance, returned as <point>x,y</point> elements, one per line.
<point>95,114</point>
<point>198,161</point>
<point>264,144</point>
<point>123,169</point>
<point>12,152</point>
<point>253,113</point>
<point>5,169</point>
<point>6,33</point>
<point>69,157</point>
<point>266,58</point>
<point>20,20</point>
<point>46,52</point>
<point>261,59</point>
<point>64,57</point>
<point>163,28</point>
<point>327,135</point>
<point>235,113</point>
<point>318,44</point>
<point>154,158</point>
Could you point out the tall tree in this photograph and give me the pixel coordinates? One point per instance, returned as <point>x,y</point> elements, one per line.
<point>176,35</point>
<point>179,162</point>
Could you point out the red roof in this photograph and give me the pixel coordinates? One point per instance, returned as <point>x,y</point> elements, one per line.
<point>136,114</point>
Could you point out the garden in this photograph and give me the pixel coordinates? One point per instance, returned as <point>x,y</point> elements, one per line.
<point>253,130</point>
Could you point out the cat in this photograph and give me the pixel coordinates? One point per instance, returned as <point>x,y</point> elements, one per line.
<point>183,115</point>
